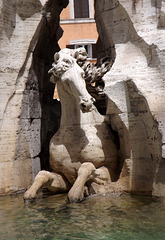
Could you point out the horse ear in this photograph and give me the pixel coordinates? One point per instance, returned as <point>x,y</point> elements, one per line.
<point>56,57</point>
<point>75,55</point>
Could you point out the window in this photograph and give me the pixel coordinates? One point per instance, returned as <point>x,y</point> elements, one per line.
<point>81,9</point>
<point>90,48</point>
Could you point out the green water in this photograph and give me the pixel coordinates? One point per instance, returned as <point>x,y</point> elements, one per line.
<point>97,218</point>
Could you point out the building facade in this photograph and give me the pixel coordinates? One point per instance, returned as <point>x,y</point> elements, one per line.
<point>78,23</point>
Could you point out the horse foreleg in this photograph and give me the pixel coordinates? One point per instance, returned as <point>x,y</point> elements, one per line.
<point>76,193</point>
<point>41,178</point>
<point>53,181</point>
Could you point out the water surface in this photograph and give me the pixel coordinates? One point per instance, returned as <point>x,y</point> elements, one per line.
<point>104,217</point>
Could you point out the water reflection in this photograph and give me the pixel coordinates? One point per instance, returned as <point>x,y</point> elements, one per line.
<point>97,218</point>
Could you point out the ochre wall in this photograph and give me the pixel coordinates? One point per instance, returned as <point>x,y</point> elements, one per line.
<point>74,30</point>
<point>77,31</point>
<point>65,14</point>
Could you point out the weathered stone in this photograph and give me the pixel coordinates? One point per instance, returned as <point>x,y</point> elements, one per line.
<point>135,87</point>
<point>28,42</point>
<point>83,142</point>
<point>140,140</point>
<point>131,36</point>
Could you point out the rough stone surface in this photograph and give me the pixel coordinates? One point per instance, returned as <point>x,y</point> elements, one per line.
<point>29,31</point>
<point>83,142</point>
<point>133,33</point>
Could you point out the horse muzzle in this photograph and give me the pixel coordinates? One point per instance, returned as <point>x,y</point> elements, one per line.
<point>86,106</point>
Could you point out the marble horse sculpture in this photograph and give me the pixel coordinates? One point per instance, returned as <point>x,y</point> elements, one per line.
<point>83,154</point>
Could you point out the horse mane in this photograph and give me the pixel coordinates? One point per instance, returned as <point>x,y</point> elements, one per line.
<point>93,75</point>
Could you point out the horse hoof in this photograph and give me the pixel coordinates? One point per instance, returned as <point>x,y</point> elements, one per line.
<point>29,201</point>
<point>74,199</point>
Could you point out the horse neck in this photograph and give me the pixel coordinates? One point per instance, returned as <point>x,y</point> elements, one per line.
<point>69,108</point>
<point>71,114</point>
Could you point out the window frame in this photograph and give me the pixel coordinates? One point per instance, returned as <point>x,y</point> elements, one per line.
<point>91,11</point>
<point>85,42</point>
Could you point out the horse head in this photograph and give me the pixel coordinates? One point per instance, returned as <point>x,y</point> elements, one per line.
<point>68,74</point>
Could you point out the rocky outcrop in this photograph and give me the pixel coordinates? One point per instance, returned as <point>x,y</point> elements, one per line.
<point>132,34</point>
<point>29,33</point>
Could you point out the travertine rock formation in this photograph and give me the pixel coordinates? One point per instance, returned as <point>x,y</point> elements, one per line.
<point>29,32</point>
<point>132,33</point>
<point>131,36</point>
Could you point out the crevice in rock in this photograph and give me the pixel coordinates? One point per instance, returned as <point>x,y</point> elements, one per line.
<point>22,70</point>
<point>140,139</point>
<point>134,3</point>
<point>40,115</point>
<point>42,61</point>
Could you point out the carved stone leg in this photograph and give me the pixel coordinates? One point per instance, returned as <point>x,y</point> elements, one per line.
<point>76,193</point>
<point>100,181</point>
<point>54,182</point>
<point>41,178</point>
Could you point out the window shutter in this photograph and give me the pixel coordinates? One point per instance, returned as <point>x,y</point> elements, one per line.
<point>94,51</point>
<point>70,46</point>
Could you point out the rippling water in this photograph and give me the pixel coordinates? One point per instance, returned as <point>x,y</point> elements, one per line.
<point>102,217</point>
